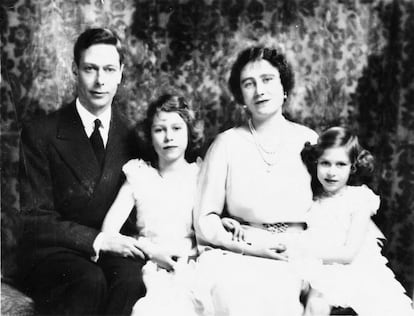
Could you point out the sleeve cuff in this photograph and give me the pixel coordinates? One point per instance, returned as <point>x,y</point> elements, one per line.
<point>147,247</point>
<point>97,246</point>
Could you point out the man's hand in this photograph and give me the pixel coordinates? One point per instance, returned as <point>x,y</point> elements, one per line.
<point>121,245</point>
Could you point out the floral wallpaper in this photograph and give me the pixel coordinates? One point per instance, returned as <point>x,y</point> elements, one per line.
<point>351,60</point>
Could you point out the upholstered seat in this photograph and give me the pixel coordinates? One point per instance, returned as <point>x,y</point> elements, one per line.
<point>14,302</point>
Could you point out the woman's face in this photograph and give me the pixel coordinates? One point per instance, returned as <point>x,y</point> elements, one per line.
<point>333,169</point>
<point>169,135</point>
<point>261,89</point>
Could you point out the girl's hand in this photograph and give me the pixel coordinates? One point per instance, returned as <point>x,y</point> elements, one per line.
<point>164,259</point>
<point>234,227</point>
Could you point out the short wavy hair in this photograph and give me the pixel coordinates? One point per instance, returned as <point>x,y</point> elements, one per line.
<point>174,102</point>
<point>362,161</point>
<point>273,56</point>
<point>94,36</point>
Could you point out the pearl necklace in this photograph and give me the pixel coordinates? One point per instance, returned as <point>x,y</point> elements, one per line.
<point>271,158</point>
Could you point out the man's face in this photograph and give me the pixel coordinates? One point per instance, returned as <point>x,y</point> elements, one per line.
<point>99,72</point>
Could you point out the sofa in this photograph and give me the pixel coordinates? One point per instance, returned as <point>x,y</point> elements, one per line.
<point>14,302</point>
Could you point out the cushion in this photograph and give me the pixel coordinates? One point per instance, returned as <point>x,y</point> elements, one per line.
<point>14,302</point>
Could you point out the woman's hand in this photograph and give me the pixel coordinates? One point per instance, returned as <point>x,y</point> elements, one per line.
<point>276,252</point>
<point>234,227</point>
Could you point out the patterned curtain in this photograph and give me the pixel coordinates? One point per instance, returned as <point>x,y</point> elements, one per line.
<point>352,60</point>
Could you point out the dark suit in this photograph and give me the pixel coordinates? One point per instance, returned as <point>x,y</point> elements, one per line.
<point>65,197</point>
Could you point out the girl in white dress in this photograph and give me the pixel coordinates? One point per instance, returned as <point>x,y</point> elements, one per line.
<point>164,197</point>
<point>341,235</point>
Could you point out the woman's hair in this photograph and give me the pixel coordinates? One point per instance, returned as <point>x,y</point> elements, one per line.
<point>362,162</point>
<point>277,59</point>
<point>173,102</point>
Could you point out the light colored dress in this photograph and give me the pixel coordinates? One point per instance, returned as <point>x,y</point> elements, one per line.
<point>367,284</point>
<point>164,219</point>
<point>234,175</point>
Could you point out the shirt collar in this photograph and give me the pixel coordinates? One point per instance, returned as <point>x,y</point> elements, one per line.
<point>88,118</point>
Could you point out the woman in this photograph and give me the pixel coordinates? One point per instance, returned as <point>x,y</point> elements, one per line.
<point>255,173</point>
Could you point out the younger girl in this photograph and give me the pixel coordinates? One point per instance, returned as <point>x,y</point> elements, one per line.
<point>341,234</point>
<point>163,194</point>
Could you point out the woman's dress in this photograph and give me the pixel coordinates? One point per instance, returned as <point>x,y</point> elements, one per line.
<point>236,178</point>
<point>164,219</point>
<point>367,284</point>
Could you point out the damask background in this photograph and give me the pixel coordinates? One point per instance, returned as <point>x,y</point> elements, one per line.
<point>353,60</point>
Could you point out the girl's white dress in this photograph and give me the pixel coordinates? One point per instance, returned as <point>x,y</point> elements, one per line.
<point>164,219</point>
<point>367,284</point>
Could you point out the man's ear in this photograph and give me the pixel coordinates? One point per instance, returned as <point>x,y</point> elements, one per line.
<point>74,68</point>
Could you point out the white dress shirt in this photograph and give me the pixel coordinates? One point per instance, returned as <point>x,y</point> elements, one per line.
<point>88,121</point>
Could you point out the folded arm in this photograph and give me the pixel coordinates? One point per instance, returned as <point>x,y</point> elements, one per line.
<point>210,204</point>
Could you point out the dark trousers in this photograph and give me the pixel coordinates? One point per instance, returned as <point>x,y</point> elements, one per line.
<point>70,284</point>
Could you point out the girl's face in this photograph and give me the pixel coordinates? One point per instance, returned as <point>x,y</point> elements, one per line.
<point>333,169</point>
<point>261,89</point>
<point>169,134</point>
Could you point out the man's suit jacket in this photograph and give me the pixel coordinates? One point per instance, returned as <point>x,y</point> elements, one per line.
<point>65,195</point>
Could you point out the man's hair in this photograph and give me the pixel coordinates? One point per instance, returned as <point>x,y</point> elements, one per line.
<point>97,36</point>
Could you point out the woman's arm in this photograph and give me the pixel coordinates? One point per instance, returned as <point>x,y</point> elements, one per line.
<point>210,198</point>
<point>119,211</point>
<point>210,203</point>
<point>224,240</point>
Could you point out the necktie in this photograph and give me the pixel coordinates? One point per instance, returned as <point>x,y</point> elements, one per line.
<point>97,143</point>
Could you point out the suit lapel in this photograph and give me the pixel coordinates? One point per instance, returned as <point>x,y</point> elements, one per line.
<point>73,143</point>
<point>115,142</point>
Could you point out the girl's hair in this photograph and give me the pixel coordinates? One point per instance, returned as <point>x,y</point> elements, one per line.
<point>257,53</point>
<point>173,102</point>
<point>362,162</point>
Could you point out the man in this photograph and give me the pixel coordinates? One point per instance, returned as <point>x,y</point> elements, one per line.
<point>71,163</point>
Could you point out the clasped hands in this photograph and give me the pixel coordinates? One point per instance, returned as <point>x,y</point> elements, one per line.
<point>276,251</point>
<point>127,246</point>
<point>122,245</point>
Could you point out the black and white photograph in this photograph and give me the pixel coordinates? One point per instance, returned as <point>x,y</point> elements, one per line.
<point>207,157</point>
